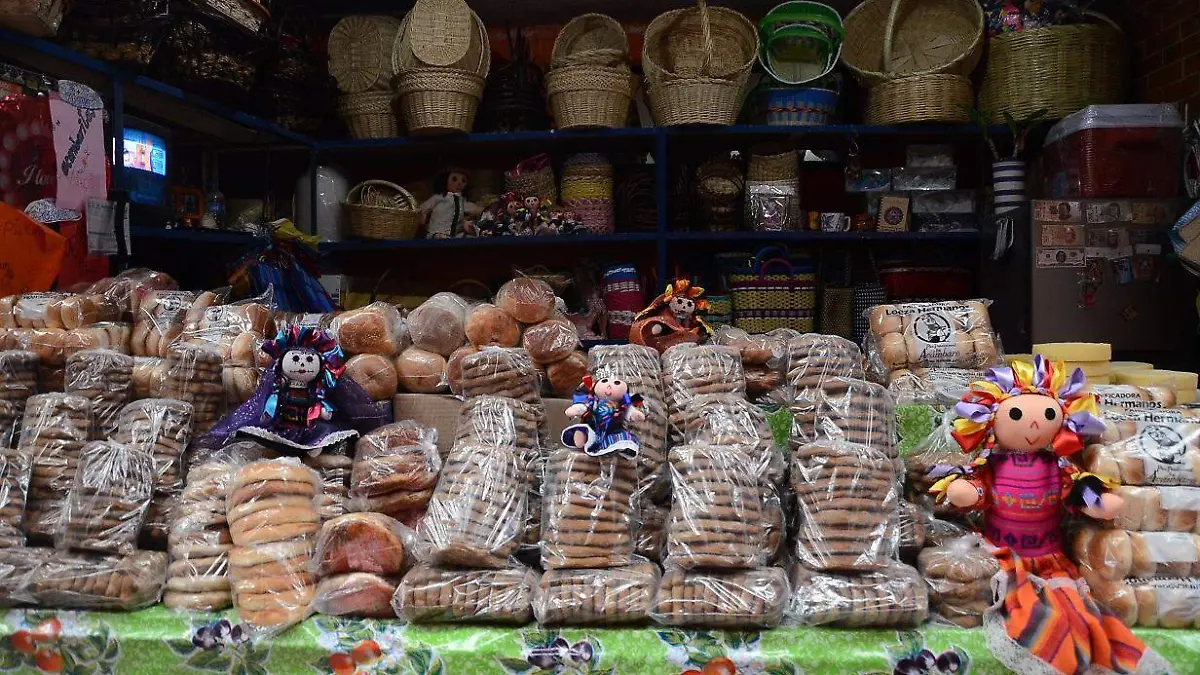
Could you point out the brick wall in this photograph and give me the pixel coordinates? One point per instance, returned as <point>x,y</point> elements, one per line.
<point>1165,55</point>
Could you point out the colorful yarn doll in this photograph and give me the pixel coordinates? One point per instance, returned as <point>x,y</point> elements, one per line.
<point>602,408</point>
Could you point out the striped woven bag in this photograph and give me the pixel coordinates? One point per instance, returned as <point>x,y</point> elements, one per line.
<point>772,295</point>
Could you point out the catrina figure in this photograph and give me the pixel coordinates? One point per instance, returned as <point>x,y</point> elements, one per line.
<point>1023,423</point>
<point>603,407</point>
<point>447,213</point>
<point>673,318</point>
<point>303,405</point>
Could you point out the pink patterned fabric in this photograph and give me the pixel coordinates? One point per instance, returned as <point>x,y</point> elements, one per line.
<point>1026,493</point>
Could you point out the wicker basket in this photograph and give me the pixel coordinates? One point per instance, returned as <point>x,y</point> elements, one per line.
<point>589,97</point>
<point>719,188</point>
<point>708,42</point>
<point>533,176</point>
<point>377,209</point>
<point>440,31</point>
<point>360,49</point>
<point>369,114</point>
<point>477,58</point>
<point>1060,69</point>
<point>591,40</point>
<point>928,37</point>
<point>697,100</point>
<point>919,98</point>
<point>770,163</point>
<point>439,100</point>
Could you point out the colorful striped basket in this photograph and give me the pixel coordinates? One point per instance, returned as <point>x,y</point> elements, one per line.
<point>771,294</point>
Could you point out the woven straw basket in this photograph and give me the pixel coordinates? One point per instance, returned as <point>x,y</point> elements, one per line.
<point>593,40</point>
<point>360,49</point>
<point>377,209</point>
<point>584,97</point>
<point>369,114</point>
<point>769,164</point>
<point>927,37</point>
<point>919,98</point>
<point>439,100</point>
<point>1060,69</point>
<point>532,176</point>
<point>477,58</point>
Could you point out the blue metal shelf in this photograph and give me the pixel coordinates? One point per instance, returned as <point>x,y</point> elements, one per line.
<point>192,236</point>
<point>485,242</point>
<point>550,135</point>
<point>819,237</point>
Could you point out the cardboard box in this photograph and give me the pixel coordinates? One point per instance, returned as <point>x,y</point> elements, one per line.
<point>441,413</point>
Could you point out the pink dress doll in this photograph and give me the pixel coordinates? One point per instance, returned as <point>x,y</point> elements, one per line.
<point>1025,422</point>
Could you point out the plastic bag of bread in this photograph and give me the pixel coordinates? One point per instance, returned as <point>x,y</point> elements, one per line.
<point>18,376</point>
<point>1131,397</point>
<point>106,379</point>
<point>551,340</point>
<point>335,468</point>
<point>47,343</point>
<point>499,421</point>
<point>377,328</point>
<point>501,372</point>
<point>16,468</point>
<point>124,291</point>
<point>932,386</point>
<point>724,419</point>
<point>1155,453</point>
<point>362,542</point>
<point>1151,603</point>
<point>601,597</point>
<point>755,350</point>
<point>527,300</point>
<point>1159,508</point>
<point>1124,424</point>
<point>240,383</point>
<point>430,594</point>
<point>716,516</point>
<point>587,519</point>
<point>162,427</point>
<point>911,525</point>
<point>438,325</point>
<point>812,358</point>
<point>1117,554</point>
<point>16,566</point>
<point>54,430</point>
<point>396,467</point>
<point>641,368</point>
<point>104,511</point>
<point>72,311</point>
<point>847,497</point>
<point>237,330</point>
<point>271,508</point>
<point>33,310</point>
<point>733,599</point>
<point>489,326</point>
<point>161,317</point>
<point>74,581</point>
<point>564,377</point>
<point>891,597</point>
<point>421,371</point>
<point>691,370</point>
<point>7,305</point>
<point>846,409</point>
<point>956,334</point>
<point>357,594</point>
<point>477,513</point>
<point>959,576</point>
<point>375,374</point>
<point>149,374</point>
<point>108,335</point>
<point>454,367</point>
<point>650,538</point>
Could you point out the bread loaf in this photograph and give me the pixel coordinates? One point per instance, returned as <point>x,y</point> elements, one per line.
<point>438,325</point>
<point>526,300</point>
<point>374,329</point>
<point>488,325</point>
<point>375,374</point>
<point>420,371</point>
<point>893,597</point>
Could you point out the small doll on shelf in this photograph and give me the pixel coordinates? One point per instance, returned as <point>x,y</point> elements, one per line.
<point>603,407</point>
<point>448,213</point>
<point>672,318</point>
<point>1023,423</point>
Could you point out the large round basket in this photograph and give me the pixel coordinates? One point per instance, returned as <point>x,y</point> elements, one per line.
<point>377,209</point>
<point>919,98</point>
<point>771,163</point>
<point>1059,69</point>
<point>360,49</point>
<point>590,39</point>
<point>696,42</point>
<point>583,97</point>
<point>369,114</point>
<point>696,100</point>
<point>440,31</point>
<point>928,36</point>
<point>439,100</point>
<point>476,59</point>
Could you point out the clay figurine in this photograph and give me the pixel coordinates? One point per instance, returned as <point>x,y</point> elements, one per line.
<point>675,317</point>
<point>603,407</point>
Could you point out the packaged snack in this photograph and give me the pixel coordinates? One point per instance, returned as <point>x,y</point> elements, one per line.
<point>587,504</point>
<point>956,334</point>
<point>395,469</point>
<point>108,335</point>
<point>162,427</point>
<point>891,597</point>
<point>193,374</point>
<point>959,575</point>
<point>16,565</point>
<point>526,300</point>
<point>932,386</point>
<point>149,376</point>
<point>18,376</point>
<point>694,370</point>
<point>123,293</point>
<point>161,316</point>
<point>1151,453</point>
<point>454,367</point>
<point>912,528</point>
<point>1131,397</point>
<point>377,328</point>
<point>50,346</point>
<point>357,594</point>
<point>814,358</point>
<point>334,466</point>
<point>716,510</point>
<point>551,340</point>
<point>564,377</point>
<point>501,372</point>
<point>16,468</point>
<point>650,539</point>
<point>725,419</point>
<point>74,581</point>
<point>846,409</point>
<point>431,594</point>
<point>1151,603</point>
<point>1159,509</point>
<point>240,383</point>
<point>755,350</point>
<point>103,512</point>
<point>732,599</point>
<point>105,378</point>
<point>361,542</point>
<point>236,331</point>
<point>1117,554</point>
<point>489,326</point>
<point>32,310</point>
<point>54,430</point>
<point>640,367</point>
<point>438,325</point>
<point>604,597</point>
<point>421,372</point>
<point>375,374</point>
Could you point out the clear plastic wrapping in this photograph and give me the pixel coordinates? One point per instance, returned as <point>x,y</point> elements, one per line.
<point>237,331</point>
<point>650,539</point>
<point>756,349</point>
<point>431,594</point>
<point>956,334</point>
<point>16,468</point>
<point>1159,509</point>
<point>813,358</point>
<point>1161,452</point>
<point>395,469</point>
<point>959,576</point>
<point>53,431</point>
<point>564,377</point>
<point>691,370</point>
<point>149,376</point>
<point>16,564</point>
<point>104,510</point>
<point>47,343</point>
<point>362,542</point>
<point>357,594</point>
<point>846,409</point>
<point>107,335</point>
<point>501,372</point>
<point>375,374</point>
<point>932,386</point>
<point>734,599</point>
<point>33,310</point>
<point>438,324</point>
<point>1117,554</point>
<point>377,328</point>
<point>489,326</point>
<point>73,581</point>
<point>477,512</point>
<point>891,597</point>
<point>105,378</point>
<point>1151,603</point>
<point>18,382</point>
<point>587,519</point>
<point>551,340</point>
<point>334,466</point>
<point>604,597</point>
<point>725,419</point>
<point>454,367</point>
<point>421,371</point>
<point>124,291</point>
<point>240,382</point>
<point>162,427</point>
<point>716,511</point>
<point>193,374</point>
<point>641,368</point>
<point>847,497</point>
<point>527,300</point>
<point>912,528</point>
<point>160,317</point>
<point>1132,398</point>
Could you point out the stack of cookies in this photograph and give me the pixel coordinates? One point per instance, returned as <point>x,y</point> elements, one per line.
<point>959,575</point>
<point>73,581</point>
<point>10,422</point>
<point>431,594</point>
<point>162,427</point>
<point>149,376</point>
<point>891,597</point>
<point>651,539</point>
<point>105,378</point>
<point>333,466</point>
<point>587,511</point>
<point>103,512</point>
<point>812,358</point>
<point>477,512</point>
<point>194,375</point>
<point>15,469</point>
<point>395,469</point>
<point>273,521</point>
<point>18,377</point>
<point>847,409</point>
<point>54,430</point>
<point>504,372</point>
<point>726,419</point>
<point>734,599</point>
<point>694,370</point>
<point>641,368</point>
<point>595,597</point>
<point>764,359</point>
<point>716,516</point>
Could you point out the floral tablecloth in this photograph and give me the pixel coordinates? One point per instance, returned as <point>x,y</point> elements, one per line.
<point>157,641</point>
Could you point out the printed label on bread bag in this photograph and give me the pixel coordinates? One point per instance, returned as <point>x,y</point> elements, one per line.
<point>1179,498</point>
<point>172,302</point>
<point>947,307</point>
<point>1169,547</point>
<point>1163,452</point>
<point>1179,598</point>
<point>1124,396</point>
<point>934,340</point>
<point>1165,416</point>
<point>34,304</point>
<point>313,320</point>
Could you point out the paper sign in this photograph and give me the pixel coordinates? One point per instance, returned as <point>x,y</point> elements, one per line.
<point>102,227</point>
<point>1060,257</point>
<point>80,165</point>
<point>31,255</point>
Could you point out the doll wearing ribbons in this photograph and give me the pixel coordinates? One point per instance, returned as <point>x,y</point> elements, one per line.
<point>1023,424</point>
<point>603,407</point>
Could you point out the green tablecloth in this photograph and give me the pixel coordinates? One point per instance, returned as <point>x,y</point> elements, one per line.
<point>157,641</point>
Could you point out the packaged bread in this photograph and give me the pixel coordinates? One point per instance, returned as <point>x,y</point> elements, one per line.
<point>527,300</point>
<point>641,368</point>
<point>650,536</point>
<point>107,335</point>
<point>1130,397</point>
<point>193,374</point>
<point>334,466</point>
<point>813,358</point>
<point>501,372</point>
<point>16,468</point>
<point>89,582</point>
<point>952,333</point>
<point>430,594</point>
<point>33,310</point>
<point>844,409</point>
<point>587,519</point>
<point>361,542</point>
<point>1120,425</point>
<point>7,305</point>
<point>931,386</point>
<point>847,497</point>
<point>106,379</point>
<point>377,328</point>
<point>732,599</point>
<point>235,330</point>
<point>149,375</point>
<point>161,427</point>
<point>375,374</point>
<point>54,430</point>
<point>396,467</point>
<point>18,376</point>
<point>438,325</point>
<point>161,317</point>
<point>603,597</point>
<point>1116,554</point>
<point>694,370</point>
<point>1154,454</point>
<point>104,510</point>
<point>564,377</point>
<point>126,290</point>
<point>890,597</point>
<point>1151,603</point>
<point>755,350</point>
<point>1159,508</point>
<point>911,526</point>
<point>959,576</point>
<point>454,367</point>
<point>421,372</point>
<point>357,594</point>
<point>716,516</point>
<point>489,326</point>
<point>477,513</point>
<point>48,343</point>
<point>240,383</point>
<point>729,420</point>
<point>16,565</point>
<point>551,340</point>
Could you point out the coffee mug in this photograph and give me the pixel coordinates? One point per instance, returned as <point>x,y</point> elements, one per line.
<point>835,222</point>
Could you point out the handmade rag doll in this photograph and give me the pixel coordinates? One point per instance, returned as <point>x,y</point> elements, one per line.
<point>303,405</point>
<point>1024,422</point>
<point>447,213</point>
<point>603,407</point>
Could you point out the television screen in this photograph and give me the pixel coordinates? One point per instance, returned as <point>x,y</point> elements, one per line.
<point>145,152</point>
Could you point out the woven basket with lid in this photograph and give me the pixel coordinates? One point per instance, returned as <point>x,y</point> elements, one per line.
<point>360,49</point>
<point>477,58</point>
<point>591,39</point>
<point>927,36</point>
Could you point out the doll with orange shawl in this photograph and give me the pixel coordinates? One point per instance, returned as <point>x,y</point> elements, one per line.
<point>1023,424</point>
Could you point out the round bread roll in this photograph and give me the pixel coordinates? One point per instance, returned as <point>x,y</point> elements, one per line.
<point>527,300</point>
<point>985,347</point>
<point>977,316</point>
<point>48,344</point>
<point>438,324</point>
<point>244,349</point>
<point>240,383</point>
<point>454,366</point>
<point>375,374</point>
<point>421,371</point>
<point>1117,596</point>
<point>374,329</point>
<point>490,325</point>
<point>361,542</point>
<point>893,351</point>
<point>882,322</point>
<point>551,340</point>
<point>356,594</point>
<point>565,376</point>
<point>1147,606</point>
<point>77,311</point>
<point>1110,553</point>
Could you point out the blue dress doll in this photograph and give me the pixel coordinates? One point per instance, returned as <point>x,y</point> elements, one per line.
<point>603,407</point>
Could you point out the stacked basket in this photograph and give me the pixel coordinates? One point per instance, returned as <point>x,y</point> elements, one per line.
<point>360,49</point>
<point>587,190</point>
<point>441,58</point>
<point>696,63</point>
<point>773,190</point>
<point>915,58</point>
<point>590,84</point>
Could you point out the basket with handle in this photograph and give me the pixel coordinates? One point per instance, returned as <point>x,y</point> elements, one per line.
<point>930,36</point>
<point>476,59</point>
<point>770,294</point>
<point>591,40</point>
<point>801,41</point>
<point>377,209</point>
<point>360,49</point>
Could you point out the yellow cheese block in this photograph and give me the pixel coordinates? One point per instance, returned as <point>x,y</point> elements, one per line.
<point>1145,378</point>
<point>1182,380</point>
<point>1090,368</point>
<point>1185,396</point>
<point>1075,351</point>
<point>1131,365</point>
<point>1009,358</point>
<point>1099,379</point>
